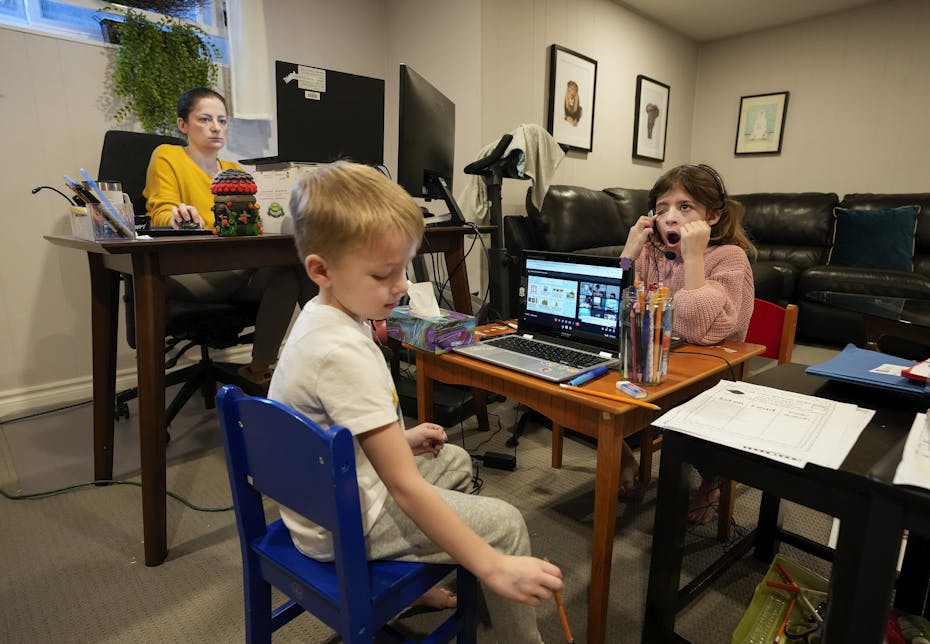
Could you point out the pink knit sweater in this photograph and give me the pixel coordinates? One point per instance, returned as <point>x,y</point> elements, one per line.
<point>717,311</point>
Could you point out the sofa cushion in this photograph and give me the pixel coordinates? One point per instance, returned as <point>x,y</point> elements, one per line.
<point>870,201</point>
<point>573,217</point>
<point>874,238</point>
<point>790,228</point>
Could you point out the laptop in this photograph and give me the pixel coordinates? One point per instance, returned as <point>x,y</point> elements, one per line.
<point>568,321</point>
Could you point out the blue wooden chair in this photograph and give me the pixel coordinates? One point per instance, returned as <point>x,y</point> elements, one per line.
<point>276,451</point>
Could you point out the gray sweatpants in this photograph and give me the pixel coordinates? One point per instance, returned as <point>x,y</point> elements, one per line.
<point>276,290</point>
<point>395,536</point>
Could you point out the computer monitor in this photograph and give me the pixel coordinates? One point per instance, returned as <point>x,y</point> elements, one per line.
<point>426,142</point>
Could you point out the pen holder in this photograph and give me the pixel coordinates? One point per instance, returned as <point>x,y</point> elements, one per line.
<point>99,224</point>
<point>645,334</point>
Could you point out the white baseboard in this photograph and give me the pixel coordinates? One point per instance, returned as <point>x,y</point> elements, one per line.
<point>51,395</point>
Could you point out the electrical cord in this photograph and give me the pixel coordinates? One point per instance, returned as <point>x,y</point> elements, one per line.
<point>709,355</point>
<point>78,486</point>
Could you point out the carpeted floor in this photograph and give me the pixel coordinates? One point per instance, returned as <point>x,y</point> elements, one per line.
<point>72,562</point>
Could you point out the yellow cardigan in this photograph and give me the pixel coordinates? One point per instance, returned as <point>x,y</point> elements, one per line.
<point>174,178</point>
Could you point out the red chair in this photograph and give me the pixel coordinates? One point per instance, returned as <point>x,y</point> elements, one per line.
<point>774,326</point>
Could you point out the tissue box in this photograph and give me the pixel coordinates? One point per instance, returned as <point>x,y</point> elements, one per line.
<point>437,334</point>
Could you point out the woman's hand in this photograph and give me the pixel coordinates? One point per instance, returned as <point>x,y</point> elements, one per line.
<point>694,238</point>
<point>638,237</point>
<point>426,438</point>
<point>185,212</point>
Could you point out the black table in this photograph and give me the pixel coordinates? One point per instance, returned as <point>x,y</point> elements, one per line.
<point>906,318</point>
<point>864,560</point>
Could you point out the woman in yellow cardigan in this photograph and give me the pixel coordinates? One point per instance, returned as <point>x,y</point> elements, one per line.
<point>177,190</point>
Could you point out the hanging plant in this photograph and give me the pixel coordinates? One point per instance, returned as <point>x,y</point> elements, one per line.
<point>155,63</point>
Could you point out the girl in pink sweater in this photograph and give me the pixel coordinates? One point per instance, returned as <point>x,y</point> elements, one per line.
<point>695,244</point>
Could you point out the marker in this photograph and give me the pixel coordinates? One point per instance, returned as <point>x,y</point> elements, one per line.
<point>589,376</point>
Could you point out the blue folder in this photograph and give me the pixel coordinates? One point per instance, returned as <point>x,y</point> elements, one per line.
<point>854,365</point>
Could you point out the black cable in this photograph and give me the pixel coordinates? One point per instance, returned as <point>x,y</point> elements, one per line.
<point>47,411</point>
<point>69,488</point>
<point>709,355</point>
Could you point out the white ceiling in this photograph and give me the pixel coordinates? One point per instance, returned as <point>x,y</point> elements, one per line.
<point>705,20</point>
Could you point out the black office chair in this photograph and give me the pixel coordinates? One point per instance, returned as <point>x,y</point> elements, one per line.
<point>207,325</point>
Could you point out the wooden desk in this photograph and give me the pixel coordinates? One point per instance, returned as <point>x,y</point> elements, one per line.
<point>150,261</point>
<point>609,422</point>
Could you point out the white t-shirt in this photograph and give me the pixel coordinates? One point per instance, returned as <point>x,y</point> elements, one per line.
<point>332,371</point>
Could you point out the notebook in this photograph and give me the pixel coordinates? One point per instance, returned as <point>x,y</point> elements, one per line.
<point>568,320</point>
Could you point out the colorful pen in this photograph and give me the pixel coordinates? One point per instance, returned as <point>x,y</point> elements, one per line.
<point>587,377</point>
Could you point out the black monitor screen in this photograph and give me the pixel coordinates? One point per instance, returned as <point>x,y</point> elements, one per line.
<point>426,141</point>
<point>324,115</point>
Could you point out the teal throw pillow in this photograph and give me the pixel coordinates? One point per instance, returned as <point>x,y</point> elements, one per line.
<point>874,238</point>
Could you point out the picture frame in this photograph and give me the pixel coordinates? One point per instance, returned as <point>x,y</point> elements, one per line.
<point>761,125</point>
<point>650,118</point>
<point>572,85</point>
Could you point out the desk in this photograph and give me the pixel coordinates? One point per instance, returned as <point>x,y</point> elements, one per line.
<point>150,261</point>
<point>863,563</point>
<point>609,422</point>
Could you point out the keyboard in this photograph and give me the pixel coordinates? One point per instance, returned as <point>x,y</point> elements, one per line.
<point>550,352</point>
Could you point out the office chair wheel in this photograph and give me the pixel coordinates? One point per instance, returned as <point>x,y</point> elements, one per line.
<point>121,411</point>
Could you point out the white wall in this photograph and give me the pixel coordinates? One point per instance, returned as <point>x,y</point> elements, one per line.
<point>857,110</point>
<point>516,36</point>
<point>857,81</point>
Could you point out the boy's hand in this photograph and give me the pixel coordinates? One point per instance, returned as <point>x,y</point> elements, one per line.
<point>524,579</point>
<point>426,437</point>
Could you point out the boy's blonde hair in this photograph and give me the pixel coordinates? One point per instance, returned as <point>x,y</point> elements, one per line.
<point>340,205</point>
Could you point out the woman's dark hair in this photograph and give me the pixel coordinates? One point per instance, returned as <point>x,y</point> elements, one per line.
<point>188,100</point>
<point>705,185</point>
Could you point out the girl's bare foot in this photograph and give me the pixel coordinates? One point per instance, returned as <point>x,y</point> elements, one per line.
<point>704,503</point>
<point>629,474</point>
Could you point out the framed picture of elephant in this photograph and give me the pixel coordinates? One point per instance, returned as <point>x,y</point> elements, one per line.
<point>761,123</point>
<point>650,120</point>
<point>572,80</point>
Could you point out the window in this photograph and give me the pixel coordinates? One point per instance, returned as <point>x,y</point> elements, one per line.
<point>82,18</point>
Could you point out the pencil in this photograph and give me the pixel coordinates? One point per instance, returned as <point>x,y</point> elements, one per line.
<point>558,604</point>
<point>784,621</point>
<point>568,632</point>
<point>623,399</point>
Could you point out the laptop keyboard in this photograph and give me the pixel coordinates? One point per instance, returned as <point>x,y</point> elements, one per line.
<point>550,352</point>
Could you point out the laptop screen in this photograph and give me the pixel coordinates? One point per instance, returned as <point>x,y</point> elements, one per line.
<point>574,297</point>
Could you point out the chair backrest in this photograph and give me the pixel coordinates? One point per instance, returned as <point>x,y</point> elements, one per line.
<point>276,451</point>
<point>774,326</point>
<point>125,158</point>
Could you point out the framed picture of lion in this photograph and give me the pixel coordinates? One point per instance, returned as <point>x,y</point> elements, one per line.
<point>650,120</point>
<point>572,80</point>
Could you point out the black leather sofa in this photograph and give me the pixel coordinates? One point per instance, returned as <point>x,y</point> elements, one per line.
<point>793,232</point>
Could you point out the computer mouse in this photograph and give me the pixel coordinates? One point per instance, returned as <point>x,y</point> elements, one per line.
<point>188,224</point>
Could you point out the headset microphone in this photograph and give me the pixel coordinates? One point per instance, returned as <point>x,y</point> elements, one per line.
<point>669,254</point>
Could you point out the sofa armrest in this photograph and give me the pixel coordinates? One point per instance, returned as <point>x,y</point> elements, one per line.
<point>865,281</point>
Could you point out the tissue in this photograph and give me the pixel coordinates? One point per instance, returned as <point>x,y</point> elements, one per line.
<point>423,300</point>
<point>425,326</point>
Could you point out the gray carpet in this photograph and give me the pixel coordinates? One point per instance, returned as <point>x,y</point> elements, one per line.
<point>72,563</point>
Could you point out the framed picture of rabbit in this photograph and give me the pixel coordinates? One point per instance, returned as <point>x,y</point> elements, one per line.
<point>572,80</point>
<point>650,122</point>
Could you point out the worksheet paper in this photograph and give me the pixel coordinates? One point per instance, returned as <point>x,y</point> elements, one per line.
<point>791,428</point>
<point>914,468</point>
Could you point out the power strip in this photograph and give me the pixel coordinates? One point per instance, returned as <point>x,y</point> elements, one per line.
<point>500,461</point>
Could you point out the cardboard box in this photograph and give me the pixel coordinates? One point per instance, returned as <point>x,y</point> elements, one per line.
<point>437,334</point>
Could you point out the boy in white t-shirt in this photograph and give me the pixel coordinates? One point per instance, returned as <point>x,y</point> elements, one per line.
<point>356,231</point>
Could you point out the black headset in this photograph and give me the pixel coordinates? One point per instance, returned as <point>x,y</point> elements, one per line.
<point>721,194</point>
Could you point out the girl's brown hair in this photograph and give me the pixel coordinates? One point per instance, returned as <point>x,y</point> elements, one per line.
<point>706,187</point>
